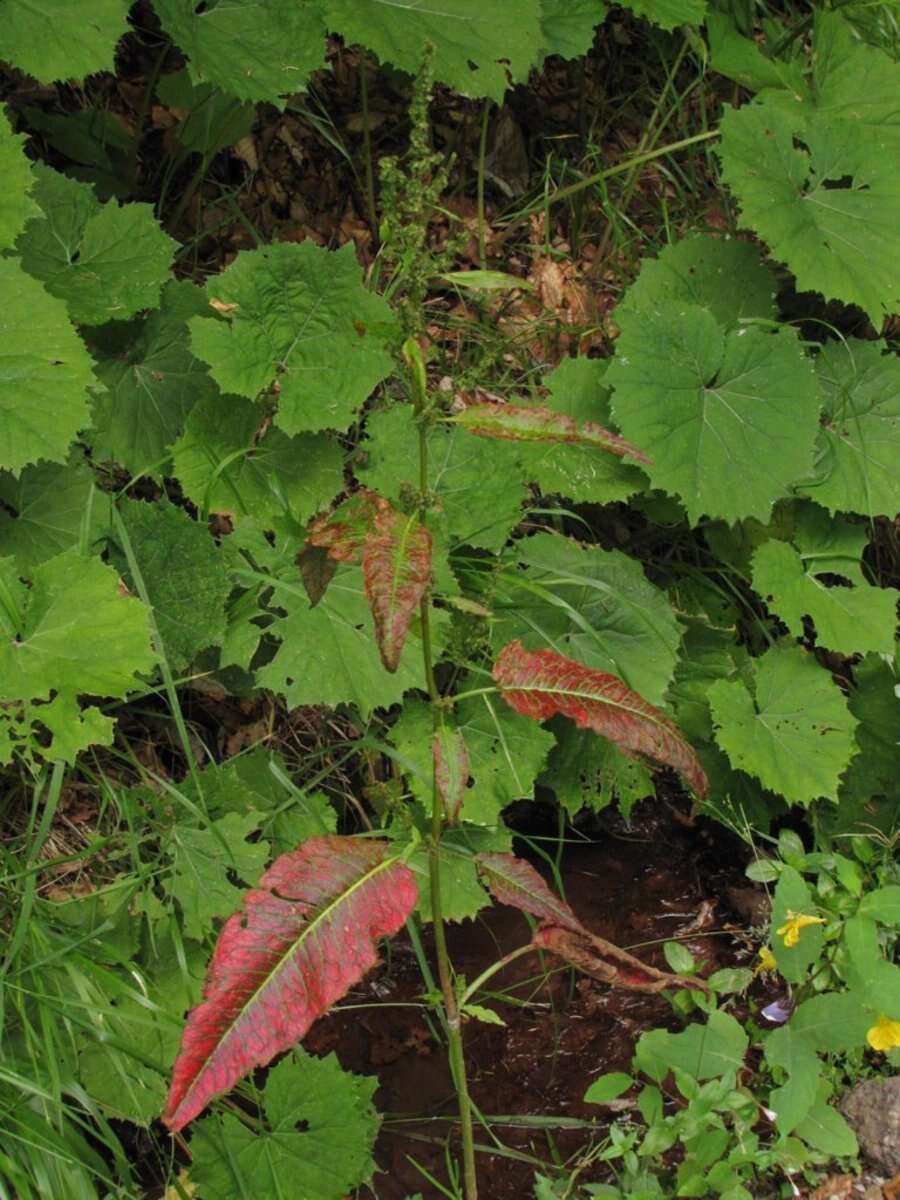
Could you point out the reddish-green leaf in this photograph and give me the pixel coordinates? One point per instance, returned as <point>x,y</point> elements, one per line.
<point>396,572</point>
<point>305,936</point>
<point>451,769</point>
<point>542,683</point>
<point>343,532</point>
<point>317,569</point>
<point>602,960</point>
<point>509,421</point>
<point>513,881</point>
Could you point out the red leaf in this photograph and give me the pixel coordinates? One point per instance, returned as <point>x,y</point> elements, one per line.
<point>317,569</point>
<point>489,419</point>
<point>451,769</point>
<point>602,960</point>
<point>542,683</point>
<point>343,532</point>
<point>305,936</point>
<point>513,881</point>
<point>396,572</point>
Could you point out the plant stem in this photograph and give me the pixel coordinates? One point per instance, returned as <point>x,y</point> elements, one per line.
<point>445,974</point>
<point>367,147</point>
<point>492,970</point>
<point>482,154</point>
<point>619,168</point>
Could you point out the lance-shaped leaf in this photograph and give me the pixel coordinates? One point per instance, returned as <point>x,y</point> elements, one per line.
<point>515,882</point>
<point>542,683</point>
<point>396,573</point>
<point>305,936</point>
<point>451,769</point>
<point>595,956</point>
<point>519,424</point>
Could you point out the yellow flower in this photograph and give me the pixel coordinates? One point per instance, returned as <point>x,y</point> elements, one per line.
<point>790,930</point>
<point>766,961</point>
<point>884,1034</point>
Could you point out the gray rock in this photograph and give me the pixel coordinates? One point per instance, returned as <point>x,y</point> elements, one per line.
<point>873,1109</point>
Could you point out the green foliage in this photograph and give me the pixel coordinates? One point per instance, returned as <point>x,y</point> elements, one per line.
<point>702,1051</point>
<point>169,445</point>
<point>151,382</point>
<point>846,618</point>
<point>576,388</point>
<point>106,262</point>
<point>469,38</point>
<point>585,772</point>
<point>250,52</point>
<point>700,398</point>
<point>57,39</point>
<point>474,502</point>
<point>808,167</point>
<point>725,277</point>
<point>299,316</point>
<point>860,434</point>
<point>594,605</point>
<point>48,509</point>
<point>506,753</point>
<point>203,861</point>
<point>318,1138</point>
<point>16,204</point>
<point>182,574</point>
<point>328,654</point>
<point>226,467</point>
<point>789,725</point>
<point>40,353</point>
<point>211,120</point>
<point>49,654</point>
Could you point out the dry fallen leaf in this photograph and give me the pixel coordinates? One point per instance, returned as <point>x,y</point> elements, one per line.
<point>221,307</point>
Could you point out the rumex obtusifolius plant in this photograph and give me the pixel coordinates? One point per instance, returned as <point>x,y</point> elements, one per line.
<point>578,667</point>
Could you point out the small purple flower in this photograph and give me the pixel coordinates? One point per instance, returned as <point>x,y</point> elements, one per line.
<point>778,1011</point>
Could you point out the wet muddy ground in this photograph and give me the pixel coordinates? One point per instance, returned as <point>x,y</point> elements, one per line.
<point>636,886</point>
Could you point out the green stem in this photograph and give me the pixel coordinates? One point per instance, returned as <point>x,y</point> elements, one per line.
<point>652,133</point>
<point>485,691</point>
<point>476,984</point>
<point>453,1020</point>
<point>482,154</point>
<point>609,172</point>
<point>146,99</point>
<point>367,147</point>
<point>188,194</point>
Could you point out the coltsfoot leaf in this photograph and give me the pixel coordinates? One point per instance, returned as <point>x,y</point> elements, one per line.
<point>62,39</point>
<point>16,204</point>
<point>249,50</point>
<point>316,1143</point>
<point>43,362</point>
<point>859,443</point>
<point>478,49</point>
<point>816,172</point>
<point>704,402</point>
<point>794,733</point>
<point>297,316</point>
<point>105,261</point>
